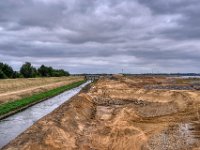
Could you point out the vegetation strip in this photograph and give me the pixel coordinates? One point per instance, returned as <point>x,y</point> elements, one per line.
<point>15,106</point>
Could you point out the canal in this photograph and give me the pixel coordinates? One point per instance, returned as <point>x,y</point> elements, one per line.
<point>14,125</point>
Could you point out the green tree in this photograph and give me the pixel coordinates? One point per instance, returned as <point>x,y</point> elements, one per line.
<point>1,65</point>
<point>28,71</point>
<point>60,73</point>
<point>43,71</point>
<point>34,72</point>
<point>2,75</point>
<point>50,71</point>
<point>7,70</point>
<point>16,74</point>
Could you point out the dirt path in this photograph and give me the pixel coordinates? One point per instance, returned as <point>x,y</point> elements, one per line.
<point>40,87</point>
<point>120,113</point>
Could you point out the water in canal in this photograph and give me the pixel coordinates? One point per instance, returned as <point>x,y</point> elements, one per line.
<point>12,126</point>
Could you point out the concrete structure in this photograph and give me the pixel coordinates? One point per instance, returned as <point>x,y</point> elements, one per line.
<point>92,77</point>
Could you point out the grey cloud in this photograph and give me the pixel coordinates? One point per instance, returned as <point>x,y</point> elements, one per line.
<point>102,35</point>
<point>188,24</point>
<point>169,6</point>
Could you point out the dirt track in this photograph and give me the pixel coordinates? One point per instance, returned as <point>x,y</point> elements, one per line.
<point>121,113</point>
<point>13,89</point>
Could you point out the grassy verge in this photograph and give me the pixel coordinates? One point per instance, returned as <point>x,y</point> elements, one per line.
<point>16,105</point>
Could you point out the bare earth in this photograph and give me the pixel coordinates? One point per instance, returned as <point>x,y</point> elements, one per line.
<point>13,89</point>
<point>122,113</point>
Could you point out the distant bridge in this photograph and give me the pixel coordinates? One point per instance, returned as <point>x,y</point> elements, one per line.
<point>93,77</point>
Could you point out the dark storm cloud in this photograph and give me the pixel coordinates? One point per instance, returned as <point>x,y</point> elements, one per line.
<point>102,35</point>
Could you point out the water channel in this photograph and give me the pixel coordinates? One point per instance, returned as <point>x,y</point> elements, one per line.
<point>12,126</point>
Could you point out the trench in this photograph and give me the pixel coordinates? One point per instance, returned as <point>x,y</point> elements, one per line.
<point>14,125</point>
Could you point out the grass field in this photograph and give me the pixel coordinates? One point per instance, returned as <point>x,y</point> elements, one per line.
<point>9,85</point>
<point>14,105</point>
<point>13,89</point>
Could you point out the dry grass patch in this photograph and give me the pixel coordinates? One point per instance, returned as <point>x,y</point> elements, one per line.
<point>13,89</point>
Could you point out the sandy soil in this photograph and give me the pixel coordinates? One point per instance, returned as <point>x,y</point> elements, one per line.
<point>13,89</point>
<point>121,113</point>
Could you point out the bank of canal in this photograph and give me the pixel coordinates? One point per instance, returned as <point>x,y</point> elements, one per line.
<point>12,126</point>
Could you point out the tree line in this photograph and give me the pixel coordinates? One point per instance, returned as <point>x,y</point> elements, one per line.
<point>28,71</point>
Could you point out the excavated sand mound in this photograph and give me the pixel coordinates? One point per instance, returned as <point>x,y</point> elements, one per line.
<point>120,113</point>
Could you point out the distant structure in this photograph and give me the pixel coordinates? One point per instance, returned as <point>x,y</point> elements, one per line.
<point>93,77</point>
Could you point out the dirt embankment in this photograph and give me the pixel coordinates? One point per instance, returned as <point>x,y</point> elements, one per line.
<point>13,89</point>
<point>120,113</point>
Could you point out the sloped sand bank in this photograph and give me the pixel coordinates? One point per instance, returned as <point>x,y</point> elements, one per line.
<point>120,113</point>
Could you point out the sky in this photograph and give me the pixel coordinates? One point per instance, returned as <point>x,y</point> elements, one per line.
<point>102,36</point>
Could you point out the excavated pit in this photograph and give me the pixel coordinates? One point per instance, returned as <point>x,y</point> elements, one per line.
<point>119,113</point>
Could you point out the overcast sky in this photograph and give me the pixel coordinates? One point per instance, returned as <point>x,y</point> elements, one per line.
<point>102,36</point>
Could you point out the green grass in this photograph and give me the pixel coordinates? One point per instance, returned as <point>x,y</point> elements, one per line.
<point>11,106</point>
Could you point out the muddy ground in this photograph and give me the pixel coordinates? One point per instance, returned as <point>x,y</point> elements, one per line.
<point>131,113</point>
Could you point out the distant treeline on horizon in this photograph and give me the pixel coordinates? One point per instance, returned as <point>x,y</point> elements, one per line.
<point>28,71</point>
